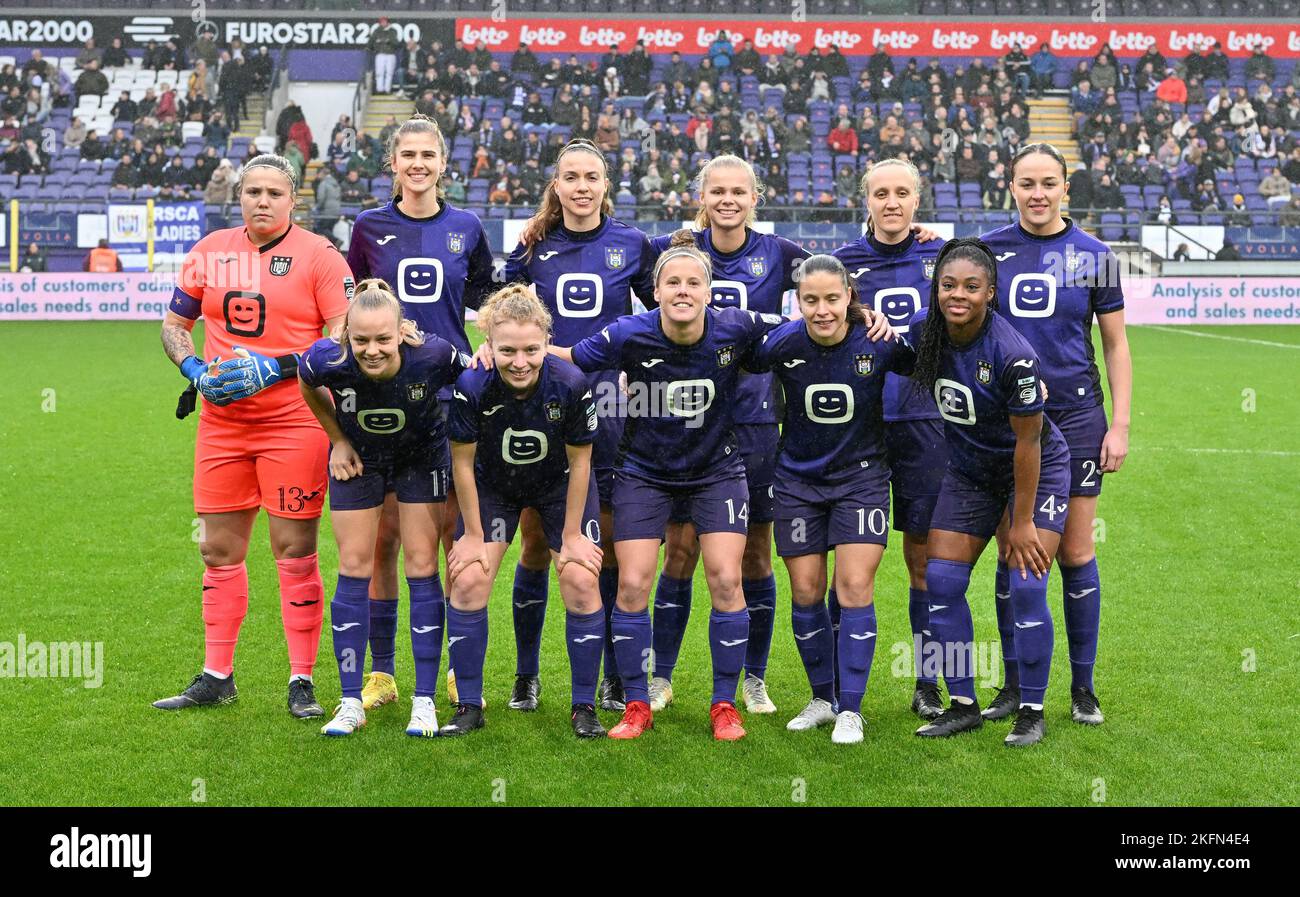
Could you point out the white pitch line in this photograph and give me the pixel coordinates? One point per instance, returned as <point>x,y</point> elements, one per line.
<point>1235,339</point>
<point>1216,451</point>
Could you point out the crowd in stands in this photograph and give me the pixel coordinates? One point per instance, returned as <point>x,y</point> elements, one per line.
<point>208,88</point>
<point>1172,138</point>
<point>1188,135</point>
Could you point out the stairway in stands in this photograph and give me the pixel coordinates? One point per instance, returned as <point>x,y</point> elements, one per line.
<point>1049,121</point>
<point>250,125</point>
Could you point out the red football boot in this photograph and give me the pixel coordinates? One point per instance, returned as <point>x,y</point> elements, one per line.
<point>636,719</point>
<point>726,722</point>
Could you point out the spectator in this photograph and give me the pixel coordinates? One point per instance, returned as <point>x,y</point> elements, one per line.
<point>880,62</point>
<point>91,80</point>
<point>1172,89</point>
<point>102,259</point>
<point>1019,68</point>
<point>1228,253</point>
<point>364,161</point>
<point>1153,56</point>
<point>523,60</point>
<point>353,189</point>
<point>1260,66</point>
<point>1242,111</point>
<point>221,184</point>
<point>969,168</point>
<point>1080,191</point>
<point>34,261</point>
<point>772,76</point>
<point>1043,64</point>
<point>92,148</point>
<point>1290,215</point>
<point>1182,254</point>
<point>1107,194</point>
<point>383,44</point>
<point>127,173</point>
<point>261,67</point>
<point>233,86</point>
<point>1163,213</point>
<point>1275,188</point>
<point>1238,214</point>
<point>721,51</point>
<point>1207,198</point>
<point>74,134</point>
<point>89,53</point>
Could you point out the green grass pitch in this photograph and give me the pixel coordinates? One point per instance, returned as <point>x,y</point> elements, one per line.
<point>1197,674</point>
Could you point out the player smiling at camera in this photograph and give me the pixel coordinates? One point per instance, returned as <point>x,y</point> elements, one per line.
<point>522,437</point>
<point>374,389</point>
<point>1053,279</point>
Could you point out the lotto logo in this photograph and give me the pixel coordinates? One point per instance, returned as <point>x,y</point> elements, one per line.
<point>956,404</point>
<point>523,446</point>
<point>381,420</point>
<point>419,280</point>
<point>579,295</point>
<point>729,294</point>
<point>1033,295</point>
<point>898,304</point>
<point>687,398</point>
<point>828,403</point>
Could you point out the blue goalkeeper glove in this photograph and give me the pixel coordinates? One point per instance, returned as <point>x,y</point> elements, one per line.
<point>248,373</point>
<point>217,389</point>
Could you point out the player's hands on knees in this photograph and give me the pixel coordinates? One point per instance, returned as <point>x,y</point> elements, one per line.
<point>578,549</point>
<point>1025,552</point>
<point>345,463</point>
<point>878,325</point>
<point>483,358</point>
<point>1114,449</point>
<point>466,552</point>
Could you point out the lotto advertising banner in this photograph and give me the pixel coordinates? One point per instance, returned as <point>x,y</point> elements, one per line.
<point>85,297</point>
<point>1212,300</point>
<point>915,38</point>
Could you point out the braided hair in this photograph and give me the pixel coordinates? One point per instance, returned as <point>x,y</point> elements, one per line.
<point>934,342</point>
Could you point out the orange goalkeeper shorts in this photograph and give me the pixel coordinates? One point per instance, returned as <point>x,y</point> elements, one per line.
<point>280,466</point>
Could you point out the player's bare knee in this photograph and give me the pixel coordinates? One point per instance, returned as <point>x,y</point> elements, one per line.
<point>535,555</point>
<point>756,563</point>
<point>579,589</point>
<point>297,544</point>
<point>1075,554</point>
<point>223,553</point>
<point>419,565</point>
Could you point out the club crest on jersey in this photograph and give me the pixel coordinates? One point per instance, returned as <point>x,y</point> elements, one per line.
<point>280,265</point>
<point>615,256</point>
<point>415,392</point>
<point>1072,260</point>
<point>725,355</point>
<point>455,241</point>
<point>863,365</point>
<point>553,411</point>
<point>927,268</point>
<point>757,265</point>
<point>984,372</point>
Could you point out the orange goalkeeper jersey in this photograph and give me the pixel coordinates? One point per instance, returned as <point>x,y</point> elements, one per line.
<point>273,299</point>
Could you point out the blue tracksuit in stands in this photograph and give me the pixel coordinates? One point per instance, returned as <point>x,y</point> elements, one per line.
<point>586,280</point>
<point>1049,289</point>
<point>981,385</point>
<point>678,443</point>
<point>832,478</point>
<point>895,280</point>
<point>521,462</point>
<point>438,266</point>
<point>396,426</point>
<point>755,277</point>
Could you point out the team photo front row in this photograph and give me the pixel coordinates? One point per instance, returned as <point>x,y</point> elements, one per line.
<point>959,374</point>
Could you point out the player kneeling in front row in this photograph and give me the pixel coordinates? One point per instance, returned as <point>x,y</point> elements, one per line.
<point>386,431</point>
<point>1004,456</point>
<point>832,482</point>
<point>521,438</point>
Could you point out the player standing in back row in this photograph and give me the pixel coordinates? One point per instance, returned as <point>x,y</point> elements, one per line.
<point>439,263</point>
<point>585,265</point>
<point>1052,280</point>
<point>893,271</point>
